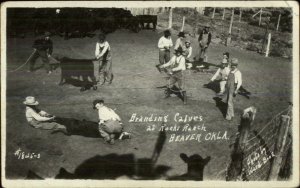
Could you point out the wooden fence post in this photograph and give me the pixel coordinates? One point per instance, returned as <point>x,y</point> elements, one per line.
<point>170,17</point>
<point>279,146</point>
<point>223,17</point>
<point>240,18</point>
<point>183,21</point>
<point>268,45</point>
<point>213,14</point>
<point>246,122</point>
<point>228,41</point>
<point>260,17</point>
<point>278,22</point>
<point>235,168</point>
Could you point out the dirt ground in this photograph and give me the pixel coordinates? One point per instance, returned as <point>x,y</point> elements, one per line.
<point>134,90</point>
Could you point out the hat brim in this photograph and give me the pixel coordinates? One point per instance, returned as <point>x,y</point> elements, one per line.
<point>33,104</point>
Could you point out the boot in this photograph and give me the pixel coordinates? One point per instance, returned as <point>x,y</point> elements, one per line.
<point>167,93</point>
<point>158,67</point>
<point>184,97</point>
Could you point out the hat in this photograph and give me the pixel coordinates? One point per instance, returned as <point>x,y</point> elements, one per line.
<point>30,101</point>
<point>96,102</point>
<point>167,32</point>
<point>226,53</point>
<point>207,25</point>
<point>47,34</point>
<point>234,61</point>
<point>188,41</point>
<point>224,61</point>
<point>179,50</point>
<point>181,34</point>
<point>101,36</point>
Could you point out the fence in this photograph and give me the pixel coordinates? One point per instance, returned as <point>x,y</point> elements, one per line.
<point>263,154</point>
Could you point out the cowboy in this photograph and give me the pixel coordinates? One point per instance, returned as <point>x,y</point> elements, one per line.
<point>176,67</point>
<point>42,48</point>
<point>188,53</point>
<point>226,56</point>
<point>40,119</point>
<point>164,45</point>
<point>103,55</point>
<point>223,72</point>
<point>204,41</point>
<point>179,42</point>
<point>234,83</point>
<point>110,123</point>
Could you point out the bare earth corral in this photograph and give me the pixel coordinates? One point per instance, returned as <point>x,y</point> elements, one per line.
<point>132,91</point>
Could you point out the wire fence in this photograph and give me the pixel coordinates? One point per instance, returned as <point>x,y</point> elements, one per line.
<point>259,151</point>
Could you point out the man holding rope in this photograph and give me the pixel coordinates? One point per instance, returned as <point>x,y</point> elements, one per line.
<point>42,48</point>
<point>176,67</point>
<point>103,55</point>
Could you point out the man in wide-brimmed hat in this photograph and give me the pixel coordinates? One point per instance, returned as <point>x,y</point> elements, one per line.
<point>234,83</point>
<point>103,55</point>
<point>40,119</point>
<point>109,122</point>
<point>204,41</point>
<point>179,42</point>
<point>176,66</point>
<point>164,45</point>
<point>42,48</point>
<point>223,73</point>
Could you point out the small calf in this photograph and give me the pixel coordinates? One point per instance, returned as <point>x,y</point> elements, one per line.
<point>79,68</point>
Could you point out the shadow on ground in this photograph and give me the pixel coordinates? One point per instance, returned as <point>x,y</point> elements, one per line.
<point>79,127</point>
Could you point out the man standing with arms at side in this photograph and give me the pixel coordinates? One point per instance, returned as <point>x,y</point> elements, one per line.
<point>234,83</point>
<point>204,41</point>
<point>42,48</point>
<point>164,45</point>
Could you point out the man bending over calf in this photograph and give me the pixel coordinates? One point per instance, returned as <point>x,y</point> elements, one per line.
<point>109,123</point>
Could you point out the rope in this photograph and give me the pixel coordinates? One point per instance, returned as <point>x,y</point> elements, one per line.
<point>24,63</point>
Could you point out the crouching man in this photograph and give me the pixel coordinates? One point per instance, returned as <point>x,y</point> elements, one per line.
<point>109,123</point>
<point>40,119</point>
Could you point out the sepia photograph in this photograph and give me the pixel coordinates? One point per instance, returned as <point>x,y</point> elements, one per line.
<point>150,94</point>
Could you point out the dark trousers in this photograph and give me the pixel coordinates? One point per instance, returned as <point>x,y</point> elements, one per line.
<point>164,56</point>
<point>177,77</point>
<point>37,54</point>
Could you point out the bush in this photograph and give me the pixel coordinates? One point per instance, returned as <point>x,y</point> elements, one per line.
<point>252,47</point>
<point>256,36</point>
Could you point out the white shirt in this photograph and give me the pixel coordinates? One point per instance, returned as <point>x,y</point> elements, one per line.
<point>188,52</point>
<point>165,42</point>
<point>178,43</point>
<point>98,52</point>
<point>33,115</point>
<point>221,72</point>
<point>179,61</point>
<point>237,78</point>
<point>106,114</point>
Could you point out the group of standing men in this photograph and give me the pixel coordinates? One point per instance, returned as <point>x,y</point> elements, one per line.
<point>230,76</point>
